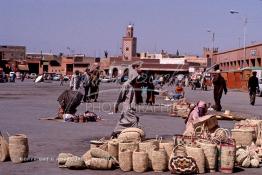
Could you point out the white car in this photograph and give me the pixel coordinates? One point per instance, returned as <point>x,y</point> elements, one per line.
<point>33,76</point>
<point>57,78</point>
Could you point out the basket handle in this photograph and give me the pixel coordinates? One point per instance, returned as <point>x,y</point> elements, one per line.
<point>180,146</point>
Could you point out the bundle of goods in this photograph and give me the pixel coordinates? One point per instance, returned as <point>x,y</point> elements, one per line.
<point>227,115</point>
<point>181,108</point>
<point>18,148</point>
<point>86,117</point>
<point>131,134</point>
<point>248,156</point>
<point>221,135</point>
<point>254,125</point>
<point>4,149</point>
<point>95,158</point>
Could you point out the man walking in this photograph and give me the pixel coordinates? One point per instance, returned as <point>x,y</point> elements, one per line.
<point>253,86</point>
<point>86,85</point>
<point>219,86</point>
<point>94,83</point>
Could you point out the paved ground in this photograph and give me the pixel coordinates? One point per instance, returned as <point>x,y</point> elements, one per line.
<point>22,104</point>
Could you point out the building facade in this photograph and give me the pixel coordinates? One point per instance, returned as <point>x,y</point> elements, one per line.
<point>12,53</point>
<point>239,58</point>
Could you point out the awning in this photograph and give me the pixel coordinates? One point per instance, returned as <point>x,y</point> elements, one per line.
<point>23,67</point>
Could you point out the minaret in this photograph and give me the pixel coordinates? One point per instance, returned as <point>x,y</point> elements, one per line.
<point>129,44</point>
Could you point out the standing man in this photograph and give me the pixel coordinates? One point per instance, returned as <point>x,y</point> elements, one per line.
<point>61,80</point>
<point>219,86</point>
<point>94,87</point>
<point>253,86</point>
<point>75,81</point>
<point>86,85</point>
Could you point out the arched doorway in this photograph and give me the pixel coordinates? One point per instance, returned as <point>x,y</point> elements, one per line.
<point>114,72</point>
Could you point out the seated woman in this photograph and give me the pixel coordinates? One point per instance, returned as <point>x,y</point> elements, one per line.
<point>179,92</point>
<point>198,111</point>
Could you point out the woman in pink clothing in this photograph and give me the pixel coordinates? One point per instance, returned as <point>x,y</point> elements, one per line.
<point>198,111</point>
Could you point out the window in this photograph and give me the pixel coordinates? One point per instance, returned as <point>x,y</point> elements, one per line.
<point>253,53</point>
<point>127,49</point>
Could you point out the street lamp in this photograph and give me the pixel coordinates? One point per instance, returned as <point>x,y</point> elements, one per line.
<point>244,31</point>
<point>213,39</point>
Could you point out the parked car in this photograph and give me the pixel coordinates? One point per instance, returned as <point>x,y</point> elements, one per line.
<point>66,78</point>
<point>32,76</point>
<point>105,80</point>
<point>57,77</point>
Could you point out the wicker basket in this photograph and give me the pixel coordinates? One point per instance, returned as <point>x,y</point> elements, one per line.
<point>113,148</point>
<point>18,148</point>
<point>227,158</point>
<point>140,161</point>
<point>99,164</point>
<point>102,144</point>
<point>198,155</point>
<point>242,137</point>
<point>125,160</point>
<point>148,146</point>
<point>99,153</point>
<point>210,151</point>
<point>4,150</point>
<point>87,156</point>
<point>259,138</point>
<point>167,145</point>
<point>132,146</point>
<point>159,160</point>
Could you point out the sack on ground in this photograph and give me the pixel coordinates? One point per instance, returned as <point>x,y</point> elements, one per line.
<point>75,163</point>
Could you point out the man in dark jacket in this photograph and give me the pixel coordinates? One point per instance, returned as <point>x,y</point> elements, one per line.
<point>219,86</point>
<point>252,87</point>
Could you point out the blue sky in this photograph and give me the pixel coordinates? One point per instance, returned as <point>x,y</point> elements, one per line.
<point>92,26</point>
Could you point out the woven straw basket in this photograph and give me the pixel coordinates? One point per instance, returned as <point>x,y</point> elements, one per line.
<point>99,164</point>
<point>210,152</point>
<point>140,161</point>
<point>227,158</point>
<point>4,150</point>
<point>18,148</point>
<point>242,136</point>
<point>125,160</point>
<point>113,148</point>
<point>198,155</point>
<point>159,160</point>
